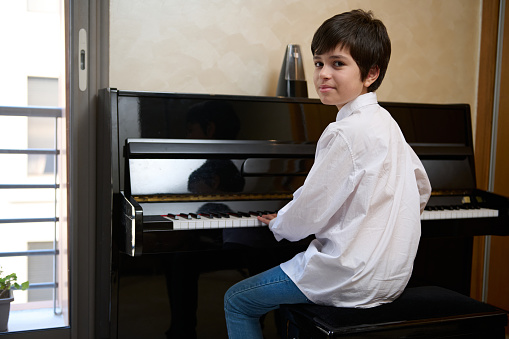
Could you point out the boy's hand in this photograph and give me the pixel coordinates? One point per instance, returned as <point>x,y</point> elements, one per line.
<point>266,218</point>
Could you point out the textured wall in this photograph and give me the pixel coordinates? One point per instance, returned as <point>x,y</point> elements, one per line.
<point>237,46</point>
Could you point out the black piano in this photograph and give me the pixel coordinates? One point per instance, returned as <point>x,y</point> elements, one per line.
<point>182,177</point>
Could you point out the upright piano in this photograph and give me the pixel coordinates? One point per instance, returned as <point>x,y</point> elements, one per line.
<point>182,177</point>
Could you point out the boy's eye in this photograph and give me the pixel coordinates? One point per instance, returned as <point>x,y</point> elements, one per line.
<point>338,63</point>
<point>318,64</point>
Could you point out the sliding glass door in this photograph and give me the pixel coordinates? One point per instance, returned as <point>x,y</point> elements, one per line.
<point>54,59</point>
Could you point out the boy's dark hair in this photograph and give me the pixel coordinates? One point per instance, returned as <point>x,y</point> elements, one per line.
<point>364,36</point>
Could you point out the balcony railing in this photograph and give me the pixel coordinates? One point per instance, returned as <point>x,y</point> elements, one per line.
<point>38,112</point>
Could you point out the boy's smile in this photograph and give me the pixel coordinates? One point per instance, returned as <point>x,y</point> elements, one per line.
<point>337,77</point>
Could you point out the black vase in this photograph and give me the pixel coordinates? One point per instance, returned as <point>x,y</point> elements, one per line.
<point>292,81</point>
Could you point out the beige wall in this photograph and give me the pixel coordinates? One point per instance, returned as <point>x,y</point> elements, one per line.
<point>237,46</point>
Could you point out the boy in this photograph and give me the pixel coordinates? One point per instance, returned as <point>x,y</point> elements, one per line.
<point>362,198</point>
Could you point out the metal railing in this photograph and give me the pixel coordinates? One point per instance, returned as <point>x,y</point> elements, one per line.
<point>29,253</point>
<point>39,112</point>
<point>31,111</point>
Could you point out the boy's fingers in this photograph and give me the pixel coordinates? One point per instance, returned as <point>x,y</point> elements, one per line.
<point>267,218</point>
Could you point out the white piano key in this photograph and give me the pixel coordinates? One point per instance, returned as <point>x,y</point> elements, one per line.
<point>228,222</point>
<point>178,224</point>
<point>199,224</point>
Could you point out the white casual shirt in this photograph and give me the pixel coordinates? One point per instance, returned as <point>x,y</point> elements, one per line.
<point>362,199</point>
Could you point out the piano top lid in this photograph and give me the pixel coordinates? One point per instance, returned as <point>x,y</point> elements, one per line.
<point>205,96</point>
<point>437,132</point>
<point>437,125</point>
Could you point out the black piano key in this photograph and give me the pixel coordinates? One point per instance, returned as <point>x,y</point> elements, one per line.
<point>173,216</point>
<point>195,216</point>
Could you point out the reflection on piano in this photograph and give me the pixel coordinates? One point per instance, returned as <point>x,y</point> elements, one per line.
<point>188,194</point>
<point>188,174</point>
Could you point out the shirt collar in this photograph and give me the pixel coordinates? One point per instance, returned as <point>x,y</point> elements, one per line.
<point>357,103</point>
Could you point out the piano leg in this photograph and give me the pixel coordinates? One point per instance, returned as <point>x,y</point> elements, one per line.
<point>182,274</point>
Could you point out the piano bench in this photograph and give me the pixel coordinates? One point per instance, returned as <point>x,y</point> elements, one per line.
<point>420,312</point>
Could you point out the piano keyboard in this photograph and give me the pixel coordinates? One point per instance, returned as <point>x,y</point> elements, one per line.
<point>457,213</point>
<point>193,221</point>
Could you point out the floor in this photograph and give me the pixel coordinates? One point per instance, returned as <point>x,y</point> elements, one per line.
<point>45,318</point>
<point>146,313</point>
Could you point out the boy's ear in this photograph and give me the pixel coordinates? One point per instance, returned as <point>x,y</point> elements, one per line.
<point>373,74</point>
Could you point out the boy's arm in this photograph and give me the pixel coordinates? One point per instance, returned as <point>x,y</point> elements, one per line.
<point>326,188</point>
<point>422,180</point>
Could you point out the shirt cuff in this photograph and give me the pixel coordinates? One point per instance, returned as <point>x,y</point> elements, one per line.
<point>273,229</point>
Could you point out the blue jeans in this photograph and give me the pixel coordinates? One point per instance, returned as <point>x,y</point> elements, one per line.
<point>249,299</point>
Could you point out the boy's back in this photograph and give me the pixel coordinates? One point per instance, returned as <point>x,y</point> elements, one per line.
<point>364,250</point>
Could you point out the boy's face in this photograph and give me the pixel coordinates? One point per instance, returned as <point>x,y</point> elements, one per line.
<point>337,77</point>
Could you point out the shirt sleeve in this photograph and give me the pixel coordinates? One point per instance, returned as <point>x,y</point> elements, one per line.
<point>422,180</point>
<point>327,186</point>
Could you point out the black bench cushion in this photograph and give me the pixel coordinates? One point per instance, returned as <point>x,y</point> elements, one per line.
<point>415,304</point>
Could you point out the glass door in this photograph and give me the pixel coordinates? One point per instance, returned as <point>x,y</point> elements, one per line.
<point>33,242</point>
<point>54,59</point>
